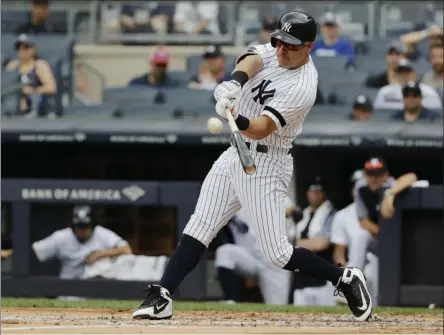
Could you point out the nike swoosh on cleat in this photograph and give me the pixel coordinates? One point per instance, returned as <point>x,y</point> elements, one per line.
<point>160,308</point>
<point>364,302</point>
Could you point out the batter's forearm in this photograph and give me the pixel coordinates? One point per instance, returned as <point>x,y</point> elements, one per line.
<point>260,128</point>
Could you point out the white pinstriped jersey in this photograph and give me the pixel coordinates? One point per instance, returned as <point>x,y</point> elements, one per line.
<point>286,96</point>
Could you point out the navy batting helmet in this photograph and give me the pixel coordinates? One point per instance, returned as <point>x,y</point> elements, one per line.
<point>294,28</point>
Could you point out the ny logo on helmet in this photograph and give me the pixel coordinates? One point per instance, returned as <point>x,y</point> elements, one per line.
<point>286,27</point>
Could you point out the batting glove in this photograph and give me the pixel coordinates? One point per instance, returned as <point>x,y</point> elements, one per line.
<point>224,104</point>
<point>227,89</point>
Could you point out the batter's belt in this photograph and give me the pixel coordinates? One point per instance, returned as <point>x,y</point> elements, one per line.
<point>262,148</point>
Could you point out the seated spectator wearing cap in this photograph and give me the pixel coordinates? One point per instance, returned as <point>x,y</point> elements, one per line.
<point>145,18</point>
<point>37,22</point>
<point>332,44</point>
<point>362,109</point>
<point>394,54</point>
<point>211,71</point>
<point>35,74</point>
<point>435,78</point>
<point>196,17</point>
<point>268,26</point>
<point>374,195</point>
<point>313,233</point>
<point>411,40</point>
<point>158,76</point>
<point>413,109</point>
<point>345,231</point>
<point>83,243</point>
<point>390,96</point>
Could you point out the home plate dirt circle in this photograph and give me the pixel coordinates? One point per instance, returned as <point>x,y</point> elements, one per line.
<point>107,321</point>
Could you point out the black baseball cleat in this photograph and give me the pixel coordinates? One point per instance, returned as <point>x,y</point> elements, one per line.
<point>354,287</point>
<point>158,304</point>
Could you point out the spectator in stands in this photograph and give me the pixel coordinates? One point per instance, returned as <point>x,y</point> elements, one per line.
<point>36,76</point>
<point>413,109</point>
<point>142,18</point>
<point>211,71</point>
<point>362,109</point>
<point>434,34</point>
<point>394,54</point>
<point>345,229</point>
<point>158,76</point>
<point>313,233</point>
<point>332,44</point>
<point>390,96</point>
<point>373,194</point>
<point>268,25</point>
<point>435,78</point>
<point>84,243</point>
<point>38,20</point>
<point>197,17</point>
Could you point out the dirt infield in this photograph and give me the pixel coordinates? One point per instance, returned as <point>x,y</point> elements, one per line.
<point>93,321</point>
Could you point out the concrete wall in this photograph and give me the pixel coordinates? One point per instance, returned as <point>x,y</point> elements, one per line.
<point>118,64</point>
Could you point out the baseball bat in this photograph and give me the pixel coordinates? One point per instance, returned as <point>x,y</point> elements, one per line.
<point>242,150</point>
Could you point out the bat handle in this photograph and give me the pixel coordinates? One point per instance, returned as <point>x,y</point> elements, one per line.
<point>231,122</point>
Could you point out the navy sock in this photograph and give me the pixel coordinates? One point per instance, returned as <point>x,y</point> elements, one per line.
<point>185,258</point>
<point>231,285</point>
<point>310,264</point>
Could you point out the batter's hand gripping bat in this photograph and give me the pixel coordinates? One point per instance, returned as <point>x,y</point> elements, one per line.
<point>242,150</point>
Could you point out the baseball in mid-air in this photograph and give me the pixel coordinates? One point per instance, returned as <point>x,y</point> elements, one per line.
<point>214,125</point>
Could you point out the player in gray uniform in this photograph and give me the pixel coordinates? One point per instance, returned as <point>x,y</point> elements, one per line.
<point>272,89</point>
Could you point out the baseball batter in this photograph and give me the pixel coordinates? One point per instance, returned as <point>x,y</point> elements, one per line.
<point>272,89</point>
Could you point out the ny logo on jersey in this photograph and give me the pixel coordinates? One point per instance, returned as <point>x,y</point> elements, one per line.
<point>262,93</point>
<point>286,27</point>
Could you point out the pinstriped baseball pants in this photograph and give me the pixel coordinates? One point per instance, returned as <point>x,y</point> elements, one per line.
<point>227,188</point>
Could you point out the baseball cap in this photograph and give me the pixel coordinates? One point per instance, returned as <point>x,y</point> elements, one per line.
<point>412,89</point>
<point>24,39</point>
<point>213,51</point>
<point>269,23</point>
<point>317,184</point>
<point>330,18</point>
<point>396,46</point>
<point>404,65</point>
<point>160,57</point>
<point>81,215</point>
<point>363,102</point>
<point>375,166</point>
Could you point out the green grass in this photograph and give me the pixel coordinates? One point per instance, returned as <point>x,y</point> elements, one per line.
<point>200,306</point>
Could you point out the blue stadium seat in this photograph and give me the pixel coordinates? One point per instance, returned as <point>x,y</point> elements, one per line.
<point>124,96</point>
<point>330,65</point>
<point>12,19</point>
<point>191,102</point>
<point>180,77</point>
<point>194,61</point>
<point>90,110</point>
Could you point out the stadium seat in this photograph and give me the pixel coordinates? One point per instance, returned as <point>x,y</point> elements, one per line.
<point>330,64</point>
<point>328,113</point>
<point>125,96</point>
<point>191,102</point>
<point>101,110</point>
<point>193,63</point>
<point>180,77</point>
<point>12,19</point>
